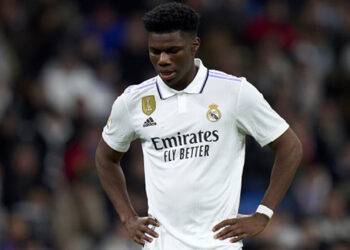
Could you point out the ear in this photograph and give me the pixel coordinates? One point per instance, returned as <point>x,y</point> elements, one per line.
<point>195,45</point>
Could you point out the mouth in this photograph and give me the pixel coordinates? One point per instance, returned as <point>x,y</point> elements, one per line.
<point>167,75</point>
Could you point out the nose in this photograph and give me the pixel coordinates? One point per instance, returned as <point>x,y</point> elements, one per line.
<point>164,59</point>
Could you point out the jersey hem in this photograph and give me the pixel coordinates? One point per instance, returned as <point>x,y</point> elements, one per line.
<point>275,135</point>
<point>113,145</point>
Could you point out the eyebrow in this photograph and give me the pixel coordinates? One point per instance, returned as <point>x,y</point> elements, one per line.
<point>169,48</point>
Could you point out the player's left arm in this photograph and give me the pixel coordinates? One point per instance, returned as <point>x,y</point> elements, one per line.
<point>288,153</point>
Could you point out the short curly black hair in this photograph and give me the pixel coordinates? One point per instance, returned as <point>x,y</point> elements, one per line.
<point>171,17</point>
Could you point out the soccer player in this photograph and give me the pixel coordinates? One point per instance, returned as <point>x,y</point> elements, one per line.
<point>192,123</point>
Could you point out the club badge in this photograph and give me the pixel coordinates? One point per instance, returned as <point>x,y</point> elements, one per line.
<point>213,113</point>
<point>148,104</point>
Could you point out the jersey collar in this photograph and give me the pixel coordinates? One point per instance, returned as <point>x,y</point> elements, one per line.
<point>195,87</point>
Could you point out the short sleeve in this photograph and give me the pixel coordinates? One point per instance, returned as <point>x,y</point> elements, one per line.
<point>118,132</point>
<point>255,116</point>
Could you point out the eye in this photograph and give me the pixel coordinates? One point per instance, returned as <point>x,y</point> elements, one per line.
<point>173,50</point>
<point>154,51</point>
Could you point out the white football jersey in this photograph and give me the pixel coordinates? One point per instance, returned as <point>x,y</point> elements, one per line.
<point>193,144</point>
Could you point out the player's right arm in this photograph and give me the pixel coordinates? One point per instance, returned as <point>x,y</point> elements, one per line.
<point>113,182</point>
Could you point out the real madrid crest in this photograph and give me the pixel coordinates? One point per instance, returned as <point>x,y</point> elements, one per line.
<point>148,104</point>
<point>213,113</point>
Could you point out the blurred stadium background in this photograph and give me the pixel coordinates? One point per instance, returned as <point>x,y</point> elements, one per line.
<point>62,63</point>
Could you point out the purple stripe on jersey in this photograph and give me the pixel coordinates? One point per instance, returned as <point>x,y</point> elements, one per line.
<point>226,78</point>
<point>144,86</point>
<point>128,90</point>
<point>222,74</point>
<point>134,87</point>
<point>217,72</point>
<point>151,80</point>
<point>160,93</point>
<point>205,81</point>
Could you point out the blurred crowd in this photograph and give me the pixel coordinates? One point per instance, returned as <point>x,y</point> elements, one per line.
<point>63,62</point>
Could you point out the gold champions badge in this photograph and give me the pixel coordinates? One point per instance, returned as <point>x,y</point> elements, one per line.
<point>213,113</point>
<point>148,104</point>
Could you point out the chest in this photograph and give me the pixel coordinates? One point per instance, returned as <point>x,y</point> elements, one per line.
<point>182,114</point>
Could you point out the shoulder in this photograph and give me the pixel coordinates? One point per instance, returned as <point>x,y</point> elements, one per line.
<point>224,77</point>
<point>146,87</point>
<point>221,81</point>
<point>142,87</point>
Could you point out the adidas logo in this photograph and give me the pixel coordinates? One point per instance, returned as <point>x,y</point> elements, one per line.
<point>149,122</point>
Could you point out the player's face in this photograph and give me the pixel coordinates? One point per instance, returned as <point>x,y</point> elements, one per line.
<point>172,55</point>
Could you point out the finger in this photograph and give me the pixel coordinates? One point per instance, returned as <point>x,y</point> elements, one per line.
<point>233,228</point>
<point>238,238</point>
<point>138,241</point>
<point>152,221</point>
<point>143,236</point>
<point>222,232</point>
<point>150,231</point>
<point>223,224</point>
<point>231,234</point>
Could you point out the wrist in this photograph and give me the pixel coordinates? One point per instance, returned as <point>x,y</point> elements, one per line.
<point>261,219</point>
<point>125,218</point>
<point>264,210</point>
